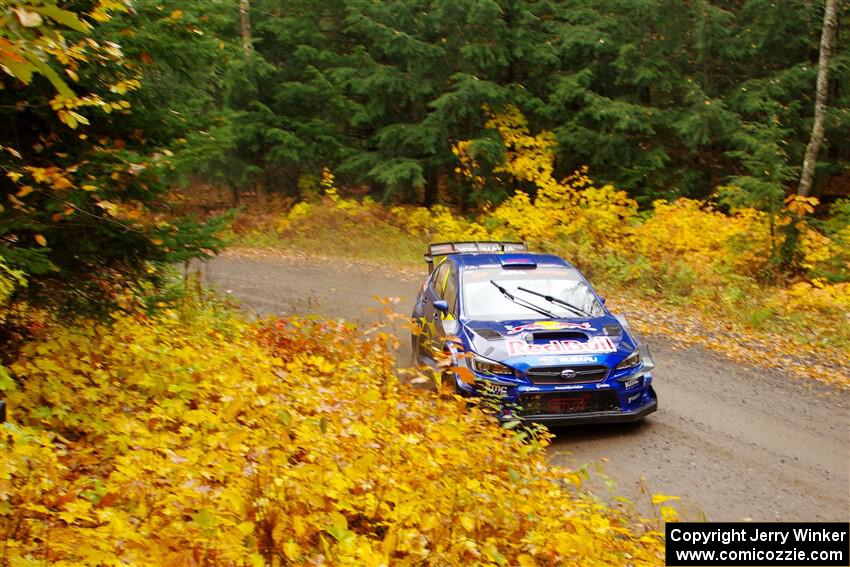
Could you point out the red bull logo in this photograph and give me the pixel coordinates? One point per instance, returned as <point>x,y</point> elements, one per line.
<point>549,326</point>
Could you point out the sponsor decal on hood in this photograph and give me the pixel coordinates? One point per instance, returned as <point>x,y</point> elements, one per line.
<point>593,346</point>
<point>549,326</point>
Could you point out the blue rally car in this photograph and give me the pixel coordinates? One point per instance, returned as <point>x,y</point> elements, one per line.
<point>529,330</point>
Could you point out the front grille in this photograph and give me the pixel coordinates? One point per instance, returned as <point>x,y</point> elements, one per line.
<point>554,374</point>
<point>554,403</point>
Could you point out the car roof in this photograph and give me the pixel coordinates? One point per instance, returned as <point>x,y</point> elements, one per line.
<point>480,260</point>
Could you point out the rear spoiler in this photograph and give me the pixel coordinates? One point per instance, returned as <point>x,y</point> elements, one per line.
<point>446,248</point>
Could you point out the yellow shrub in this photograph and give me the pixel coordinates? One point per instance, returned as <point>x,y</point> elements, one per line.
<point>297,213</point>
<point>819,250</point>
<point>414,220</point>
<point>606,211</point>
<point>9,280</point>
<point>572,209</point>
<point>816,296</point>
<point>528,157</point>
<point>705,238</point>
<point>437,223</point>
<point>519,218</point>
<point>175,442</point>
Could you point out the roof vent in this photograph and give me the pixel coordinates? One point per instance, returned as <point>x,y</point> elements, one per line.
<point>520,261</point>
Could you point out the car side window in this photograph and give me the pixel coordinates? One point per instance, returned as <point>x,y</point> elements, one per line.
<point>450,292</point>
<point>438,282</point>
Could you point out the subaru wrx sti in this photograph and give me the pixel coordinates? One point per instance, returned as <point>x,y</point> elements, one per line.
<point>529,330</point>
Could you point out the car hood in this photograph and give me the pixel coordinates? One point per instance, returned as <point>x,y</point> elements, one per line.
<point>537,342</point>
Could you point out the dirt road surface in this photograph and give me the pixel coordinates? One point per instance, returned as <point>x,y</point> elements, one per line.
<point>734,442</point>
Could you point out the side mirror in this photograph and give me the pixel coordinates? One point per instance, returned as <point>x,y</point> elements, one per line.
<point>646,355</point>
<point>623,322</point>
<point>602,299</point>
<point>441,305</point>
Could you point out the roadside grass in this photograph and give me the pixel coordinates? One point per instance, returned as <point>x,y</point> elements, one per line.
<point>358,238</point>
<point>360,233</point>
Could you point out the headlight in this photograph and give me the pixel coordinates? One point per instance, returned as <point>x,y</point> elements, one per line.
<point>486,366</point>
<point>631,361</point>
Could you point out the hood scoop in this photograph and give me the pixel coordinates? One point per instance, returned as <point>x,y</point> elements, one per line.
<point>487,333</point>
<point>546,336</point>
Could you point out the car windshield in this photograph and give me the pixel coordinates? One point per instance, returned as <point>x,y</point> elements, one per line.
<point>483,301</point>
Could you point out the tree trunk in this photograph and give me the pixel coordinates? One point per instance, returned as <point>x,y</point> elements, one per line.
<point>827,39</point>
<point>430,193</point>
<point>245,24</point>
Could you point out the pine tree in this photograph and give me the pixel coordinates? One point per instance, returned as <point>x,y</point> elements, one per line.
<point>86,161</point>
<point>663,98</point>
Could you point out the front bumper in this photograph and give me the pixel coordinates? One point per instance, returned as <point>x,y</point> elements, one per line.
<point>622,398</point>
<point>613,416</point>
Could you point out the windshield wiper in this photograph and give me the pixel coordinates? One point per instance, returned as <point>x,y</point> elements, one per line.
<point>523,302</point>
<point>551,299</point>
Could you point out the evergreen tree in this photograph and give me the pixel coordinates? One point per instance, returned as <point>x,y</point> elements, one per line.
<point>664,98</point>
<point>85,157</point>
<point>670,98</point>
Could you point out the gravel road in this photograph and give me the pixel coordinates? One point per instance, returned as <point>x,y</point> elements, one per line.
<point>734,442</point>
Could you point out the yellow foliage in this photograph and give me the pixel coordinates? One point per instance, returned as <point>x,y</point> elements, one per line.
<point>468,165</point>
<point>437,223</point>
<point>570,209</point>
<point>815,296</point>
<point>32,44</point>
<point>528,157</point>
<point>681,250</point>
<point>705,238</point>
<point>800,205</point>
<point>820,250</point>
<point>9,280</point>
<point>299,212</point>
<point>183,440</point>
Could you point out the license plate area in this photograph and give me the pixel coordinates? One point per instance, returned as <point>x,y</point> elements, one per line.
<point>561,403</point>
<point>571,404</point>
